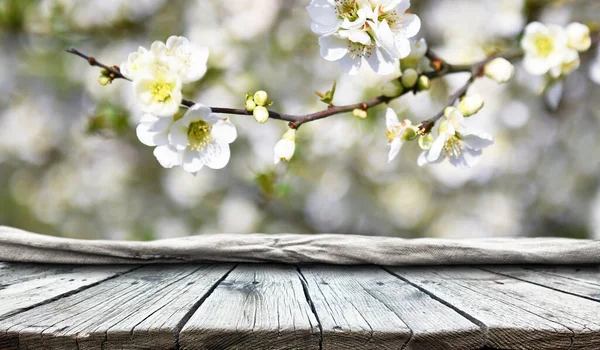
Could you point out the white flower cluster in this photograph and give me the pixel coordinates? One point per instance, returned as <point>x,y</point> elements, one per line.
<point>460,145</point>
<point>351,31</point>
<point>554,50</point>
<point>193,140</point>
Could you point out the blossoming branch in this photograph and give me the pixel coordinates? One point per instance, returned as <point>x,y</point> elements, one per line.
<point>380,33</point>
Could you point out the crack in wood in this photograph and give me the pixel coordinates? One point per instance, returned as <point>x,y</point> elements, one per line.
<point>480,324</point>
<point>311,304</point>
<point>195,308</point>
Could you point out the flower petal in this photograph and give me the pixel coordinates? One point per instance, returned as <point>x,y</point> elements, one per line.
<point>391,119</point>
<point>167,156</point>
<point>412,24</point>
<point>333,48</point>
<point>477,139</point>
<point>381,62</point>
<point>467,159</point>
<point>350,65</point>
<point>191,161</point>
<point>435,152</point>
<point>149,137</point>
<point>422,160</point>
<point>178,135</point>
<point>224,131</point>
<point>216,155</point>
<point>535,65</point>
<point>396,145</point>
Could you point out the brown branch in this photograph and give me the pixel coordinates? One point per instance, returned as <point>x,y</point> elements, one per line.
<point>295,121</point>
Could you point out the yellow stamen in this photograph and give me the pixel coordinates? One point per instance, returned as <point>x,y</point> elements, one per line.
<point>199,135</point>
<point>544,45</point>
<point>161,91</point>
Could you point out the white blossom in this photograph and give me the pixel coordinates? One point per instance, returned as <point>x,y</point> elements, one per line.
<point>569,64</point>
<point>285,148</point>
<point>188,60</point>
<point>355,30</point>
<point>136,64</point>
<point>202,138</point>
<point>578,36</point>
<point>499,69</point>
<point>177,56</point>
<point>462,147</point>
<point>158,93</point>
<point>394,131</point>
<point>545,47</point>
<point>154,131</point>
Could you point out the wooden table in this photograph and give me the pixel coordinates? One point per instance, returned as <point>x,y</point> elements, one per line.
<point>245,306</point>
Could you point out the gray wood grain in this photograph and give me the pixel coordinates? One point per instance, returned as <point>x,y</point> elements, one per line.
<point>517,314</point>
<point>141,309</point>
<point>368,308</point>
<point>25,285</point>
<point>580,281</point>
<point>255,307</point>
<point>202,306</point>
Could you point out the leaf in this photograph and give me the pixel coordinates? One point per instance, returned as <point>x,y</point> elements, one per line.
<point>328,96</point>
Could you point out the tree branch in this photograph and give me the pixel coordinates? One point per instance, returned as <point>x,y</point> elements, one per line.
<point>295,121</point>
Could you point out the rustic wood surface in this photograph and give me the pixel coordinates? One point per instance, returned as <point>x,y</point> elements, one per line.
<point>268,306</point>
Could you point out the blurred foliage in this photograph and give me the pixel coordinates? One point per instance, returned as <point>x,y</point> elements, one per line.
<point>71,165</point>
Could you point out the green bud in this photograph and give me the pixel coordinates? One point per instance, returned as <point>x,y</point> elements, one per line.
<point>410,133</point>
<point>103,80</point>
<point>261,98</point>
<point>425,141</point>
<point>104,71</point>
<point>261,114</point>
<point>424,83</point>
<point>409,78</point>
<point>250,105</point>
<point>359,113</point>
<point>392,88</point>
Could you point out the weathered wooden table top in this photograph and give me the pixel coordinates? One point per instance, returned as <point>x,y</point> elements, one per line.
<point>245,306</point>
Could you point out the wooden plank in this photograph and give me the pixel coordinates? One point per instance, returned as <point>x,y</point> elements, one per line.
<point>255,307</point>
<point>588,274</point>
<point>11,273</point>
<point>25,285</point>
<point>567,280</point>
<point>516,314</point>
<point>141,309</point>
<point>368,308</point>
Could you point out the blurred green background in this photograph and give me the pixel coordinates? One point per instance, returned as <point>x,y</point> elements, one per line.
<point>71,165</point>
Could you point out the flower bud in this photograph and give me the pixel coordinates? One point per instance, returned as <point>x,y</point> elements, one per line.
<point>261,114</point>
<point>579,36</point>
<point>261,98</point>
<point>499,69</point>
<point>103,80</point>
<point>410,133</point>
<point>409,78</point>
<point>424,83</point>
<point>425,141</point>
<point>470,105</point>
<point>250,105</point>
<point>392,88</point>
<point>284,149</point>
<point>359,113</point>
